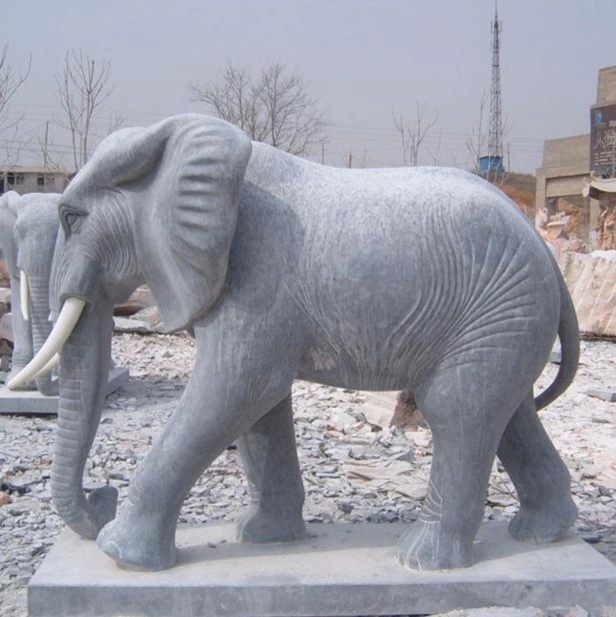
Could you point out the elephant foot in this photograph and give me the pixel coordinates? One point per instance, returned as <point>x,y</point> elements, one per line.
<point>256,527</point>
<point>137,545</point>
<point>424,546</point>
<point>545,524</point>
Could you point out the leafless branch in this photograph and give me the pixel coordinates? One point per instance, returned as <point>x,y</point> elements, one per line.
<point>275,108</point>
<point>476,140</point>
<point>11,80</point>
<point>434,155</point>
<point>47,149</point>
<point>413,135</point>
<point>83,88</point>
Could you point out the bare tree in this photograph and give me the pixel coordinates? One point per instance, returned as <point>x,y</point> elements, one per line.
<point>11,80</point>
<point>477,139</point>
<point>413,134</point>
<point>53,155</point>
<point>274,108</point>
<point>83,88</point>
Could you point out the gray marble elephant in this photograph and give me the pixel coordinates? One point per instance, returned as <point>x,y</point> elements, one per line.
<point>28,231</point>
<point>423,279</point>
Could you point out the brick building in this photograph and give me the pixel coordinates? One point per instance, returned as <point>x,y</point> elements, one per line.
<point>32,179</point>
<point>566,168</point>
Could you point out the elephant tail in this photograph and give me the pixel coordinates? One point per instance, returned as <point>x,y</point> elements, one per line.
<point>569,335</point>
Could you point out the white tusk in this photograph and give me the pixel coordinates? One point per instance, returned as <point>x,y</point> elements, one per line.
<point>24,295</point>
<point>67,320</point>
<point>50,366</point>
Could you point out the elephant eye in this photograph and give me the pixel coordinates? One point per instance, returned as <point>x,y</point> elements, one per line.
<point>70,220</point>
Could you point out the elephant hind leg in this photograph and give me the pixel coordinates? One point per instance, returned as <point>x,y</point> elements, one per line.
<point>269,455</point>
<point>467,407</point>
<point>541,479</point>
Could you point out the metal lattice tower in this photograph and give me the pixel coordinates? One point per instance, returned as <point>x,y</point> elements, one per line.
<point>495,133</point>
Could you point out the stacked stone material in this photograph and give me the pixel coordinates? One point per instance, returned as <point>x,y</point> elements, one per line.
<point>591,279</point>
<point>5,276</point>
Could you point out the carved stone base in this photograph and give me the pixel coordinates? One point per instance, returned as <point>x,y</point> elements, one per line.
<point>32,402</point>
<point>341,569</point>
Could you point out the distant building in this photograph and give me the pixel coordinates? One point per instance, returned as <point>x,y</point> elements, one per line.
<point>487,164</point>
<point>32,179</point>
<point>568,162</point>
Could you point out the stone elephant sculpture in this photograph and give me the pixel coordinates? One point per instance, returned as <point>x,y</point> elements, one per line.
<point>28,231</point>
<point>423,279</point>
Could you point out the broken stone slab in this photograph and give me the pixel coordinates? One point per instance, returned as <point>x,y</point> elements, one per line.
<point>5,300</point>
<point>556,356</point>
<point>150,314</point>
<point>136,326</point>
<point>5,275</point>
<point>604,394</point>
<point>141,298</point>
<point>591,279</point>
<point>340,569</point>
<point>500,611</point>
<point>146,321</point>
<point>33,402</point>
<point>378,408</point>
<point>6,327</point>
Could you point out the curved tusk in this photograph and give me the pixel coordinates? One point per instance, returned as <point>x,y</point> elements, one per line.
<point>50,366</point>
<point>67,320</point>
<point>24,295</point>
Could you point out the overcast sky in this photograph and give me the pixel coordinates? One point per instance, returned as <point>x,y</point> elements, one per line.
<point>360,59</point>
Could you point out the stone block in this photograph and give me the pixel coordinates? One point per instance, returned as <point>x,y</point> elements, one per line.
<point>556,356</point>
<point>33,402</point>
<point>591,279</point>
<point>341,569</point>
<point>5,275</point>
<point>6,327</point>
<point>604,394</point>
<point>132,325</point>
<point>140,299</point>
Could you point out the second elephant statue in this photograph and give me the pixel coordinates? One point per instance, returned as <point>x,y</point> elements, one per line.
<point>424,279</point>
<point>28,230</point>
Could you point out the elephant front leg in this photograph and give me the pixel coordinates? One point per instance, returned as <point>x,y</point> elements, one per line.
<point>269,456</point>
<point>220,403</point>
<point>143,535</point>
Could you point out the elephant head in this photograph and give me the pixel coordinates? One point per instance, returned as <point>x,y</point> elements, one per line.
<point>156,205</point>
<point>28,231</point>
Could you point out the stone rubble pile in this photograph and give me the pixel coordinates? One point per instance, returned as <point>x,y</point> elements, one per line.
<point>353,468</point>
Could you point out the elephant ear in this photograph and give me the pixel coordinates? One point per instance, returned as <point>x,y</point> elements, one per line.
<point>10,203</point>
<point>184,235</point>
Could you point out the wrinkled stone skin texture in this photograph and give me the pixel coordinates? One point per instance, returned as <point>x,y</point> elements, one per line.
<point>423,279</point>
<point>28,230</point>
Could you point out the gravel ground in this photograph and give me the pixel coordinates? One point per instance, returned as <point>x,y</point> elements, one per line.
<point>352,471</point>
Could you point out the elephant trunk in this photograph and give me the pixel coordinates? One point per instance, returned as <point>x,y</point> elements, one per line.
<point>38,288</point>
<point>83,382</point>
<point>22,346</point>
